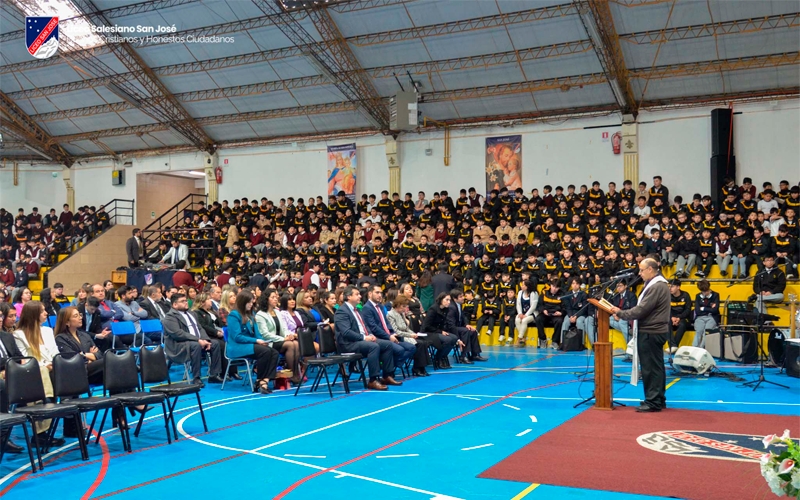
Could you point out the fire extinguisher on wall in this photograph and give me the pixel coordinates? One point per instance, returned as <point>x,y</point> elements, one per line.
<point>218,174</point>
<point>616,142</point>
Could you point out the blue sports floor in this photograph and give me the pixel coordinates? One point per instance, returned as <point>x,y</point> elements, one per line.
<point>428,439</point>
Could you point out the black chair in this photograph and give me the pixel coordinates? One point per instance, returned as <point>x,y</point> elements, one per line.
<point>328,347</point>
<point>121,380</point>
<point>7,422</point>
<point>72,381</point>
<point>306,339</point>
<point>24,385</point>
<point>154,369</point>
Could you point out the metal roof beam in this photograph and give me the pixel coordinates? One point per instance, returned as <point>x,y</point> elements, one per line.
<point>713,29</point>
<point>706,67</point>
<point>599,24</point>
<point>368,39</point>
<point>162,101</point>
<point>125,10</point>
<point>421,68</point>
<point>337,62</point>
<point>19,124</point>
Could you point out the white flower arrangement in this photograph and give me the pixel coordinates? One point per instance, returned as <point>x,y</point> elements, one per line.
<point>782,471</point>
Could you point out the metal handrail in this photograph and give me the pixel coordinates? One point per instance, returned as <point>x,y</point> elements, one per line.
<point>117,205</point>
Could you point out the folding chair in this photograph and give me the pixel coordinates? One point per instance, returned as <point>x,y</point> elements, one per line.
<point>247,362</point>
<point>153,364</point>
<point>306,339</point>
<point>151,326</point>
<point>70,381</point>
<point>8,422</point>
<point>51,321</point>
<point>121,380</point>
<point>328,347</point>
<point>123,328</point>
<point>24,385</point>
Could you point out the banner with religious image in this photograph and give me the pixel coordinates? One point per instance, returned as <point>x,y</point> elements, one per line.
<point>503,162</point>
<point>342,165</point>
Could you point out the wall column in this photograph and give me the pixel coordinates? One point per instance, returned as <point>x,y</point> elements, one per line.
<point>66,174</point>
<point>393,160</point>
<point>211,163</point>
<point>630,152</point>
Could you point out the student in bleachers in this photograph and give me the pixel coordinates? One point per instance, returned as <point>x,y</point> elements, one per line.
<point>706,312</point>
<point>680,313</point>
<point>550,313</point>
<point>770,285</point>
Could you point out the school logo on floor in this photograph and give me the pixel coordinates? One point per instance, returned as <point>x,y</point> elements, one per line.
<point>703,444</point>
<point>41,36</point>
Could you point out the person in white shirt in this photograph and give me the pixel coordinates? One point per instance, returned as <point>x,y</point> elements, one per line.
<point>652,223</point>
<point>642,210</point>
<point>766,204</point>
<point>38,342</point>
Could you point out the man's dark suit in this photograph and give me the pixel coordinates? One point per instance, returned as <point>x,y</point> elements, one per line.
<point>182,345</point>
<point>94,327</point>
<point>9,350</point>
<point>457,325</point>
<point>442,283</point>
<point>402,351</point>
<point>134,252</point>
<point>152,313</point>
<point>349,339</point>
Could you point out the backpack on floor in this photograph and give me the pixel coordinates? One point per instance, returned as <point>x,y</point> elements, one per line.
<point>572,340</point>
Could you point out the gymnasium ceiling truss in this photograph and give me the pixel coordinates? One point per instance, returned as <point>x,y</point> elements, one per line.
<point>333,56</point>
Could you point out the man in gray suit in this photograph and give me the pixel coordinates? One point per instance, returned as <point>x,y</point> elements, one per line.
<point>185,340</point>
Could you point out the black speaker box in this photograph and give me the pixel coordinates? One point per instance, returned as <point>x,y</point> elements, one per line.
<point>792,359</point>
<point>720,169</point>
<point>721,132</point>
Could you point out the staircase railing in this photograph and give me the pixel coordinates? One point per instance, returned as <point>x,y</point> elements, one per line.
<point>119,212</point>
<point>167,221</point>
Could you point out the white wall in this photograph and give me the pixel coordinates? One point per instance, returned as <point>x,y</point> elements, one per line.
<point>674,144</point>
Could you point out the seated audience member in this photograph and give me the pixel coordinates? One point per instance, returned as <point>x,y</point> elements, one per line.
<point>457,324</point>
<point>245,341</point>
<point>8,349</point>
<point>400,324</point>
<point>374,316</point>
<point>680,312</point>
<point>352,336</point>
<point>706,312</point>
<point>38,342</point>
<point>92,323</point>
<point>288,314</point>
<point>209,322</point>
<point>131,311</point>
<point>269,328</point>
<point>770,285</point>
<point>59,299</point>
<point>551,313</point>
<point>185,341</point>
<point>152,303</point>
<point>575,308</point>
<point>21,297</point>
<point>527,302</point>
<point>624,299</point>
<point>435,325</point>
<point>182,276</point>
<point>72,341</point>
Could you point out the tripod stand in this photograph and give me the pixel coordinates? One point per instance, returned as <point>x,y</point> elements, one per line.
<point>761,354</point>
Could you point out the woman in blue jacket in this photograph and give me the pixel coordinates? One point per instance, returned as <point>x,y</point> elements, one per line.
<point>245,342</point>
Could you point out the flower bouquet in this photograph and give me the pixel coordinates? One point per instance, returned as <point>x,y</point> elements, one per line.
<point>782,470</point>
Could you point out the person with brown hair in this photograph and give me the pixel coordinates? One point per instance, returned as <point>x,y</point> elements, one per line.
<point>37,341</point>
<point>71,341</point>
<point>397,317</point>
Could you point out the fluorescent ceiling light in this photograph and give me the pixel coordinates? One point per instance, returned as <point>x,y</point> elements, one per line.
<point>196,173</point>
<point>124,95</point>
<point>70,21</point>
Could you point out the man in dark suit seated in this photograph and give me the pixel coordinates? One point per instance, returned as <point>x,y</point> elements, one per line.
<point>92,323</point>
<point>152,303</point>
<point>457,325</point>
<point>352,336</point>
<point>186,341</point>
<point>8,349</point>
<point>375,318</point>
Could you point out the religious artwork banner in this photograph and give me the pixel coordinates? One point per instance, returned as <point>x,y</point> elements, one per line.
<point>503,162</point>
<point>342,167</point>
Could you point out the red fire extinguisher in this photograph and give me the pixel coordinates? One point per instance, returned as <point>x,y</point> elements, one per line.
<point>218,174</point>
<point>616,142</point>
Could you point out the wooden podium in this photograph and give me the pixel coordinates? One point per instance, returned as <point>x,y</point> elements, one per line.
<point>602,359</point>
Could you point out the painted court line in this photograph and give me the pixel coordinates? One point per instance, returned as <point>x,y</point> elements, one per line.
<point>533,418</point>
<point>467,397</point>
<point>303,456</point>
<point>477,447</point>
<point>524,432</point>
<point>672,383</point>
<point>512,407</point>
<point>524,493</point>
<point>398,456</point>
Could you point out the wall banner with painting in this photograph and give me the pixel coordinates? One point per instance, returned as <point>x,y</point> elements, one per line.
<point>504,162</point>
<point>342,166</point>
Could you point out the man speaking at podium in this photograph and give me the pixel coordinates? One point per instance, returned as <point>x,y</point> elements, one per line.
<point>651,330</point>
